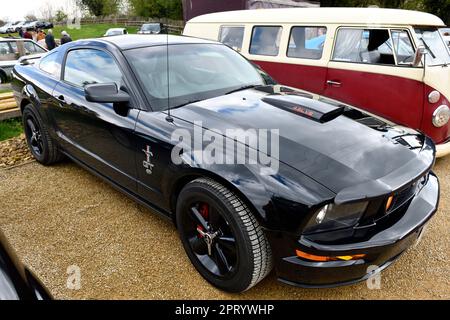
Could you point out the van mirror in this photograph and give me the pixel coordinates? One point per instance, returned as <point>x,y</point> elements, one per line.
<point>420,53</point>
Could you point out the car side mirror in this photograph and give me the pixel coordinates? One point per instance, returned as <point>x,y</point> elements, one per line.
<point>105,93</point>
<point>420,53</point>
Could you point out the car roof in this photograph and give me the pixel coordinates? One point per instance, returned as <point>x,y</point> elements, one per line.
<point>131,41</point>
<point>378,16</point>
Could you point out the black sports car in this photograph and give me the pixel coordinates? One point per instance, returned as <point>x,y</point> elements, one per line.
<point>338,192</point>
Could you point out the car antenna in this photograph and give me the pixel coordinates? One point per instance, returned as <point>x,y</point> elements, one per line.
<point>169,117</point>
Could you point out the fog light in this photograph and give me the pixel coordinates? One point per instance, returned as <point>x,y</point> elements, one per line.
<point>434,97</point>
<point>441,116</point>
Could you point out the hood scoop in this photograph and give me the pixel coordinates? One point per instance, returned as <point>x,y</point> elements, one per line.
<point>305,107</point>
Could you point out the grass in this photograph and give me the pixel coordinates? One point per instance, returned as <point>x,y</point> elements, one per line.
<point>87,31</point>
<point>10,128</point>
<point>5,90</point>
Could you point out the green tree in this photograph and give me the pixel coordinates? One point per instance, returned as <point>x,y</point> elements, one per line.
<point>172,9</point>
<point>60,16</point>
<point>100,7</point>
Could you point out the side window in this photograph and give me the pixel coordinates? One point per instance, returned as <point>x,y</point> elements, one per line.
<point>307,42</point>
<point>6,51</point>
<point>371,46</point>
<point>232,36</point>
<point>29,47</point>
<point>265,41</point>
<point>88,66</point>
<point>50,65</point>
<point>404,49</point>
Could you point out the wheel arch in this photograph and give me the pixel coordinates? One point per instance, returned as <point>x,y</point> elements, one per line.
<point>3,74</point>
<point>241,192</point>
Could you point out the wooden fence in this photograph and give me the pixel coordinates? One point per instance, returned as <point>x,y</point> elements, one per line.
<point>8,106</point>
<point>173,26</point>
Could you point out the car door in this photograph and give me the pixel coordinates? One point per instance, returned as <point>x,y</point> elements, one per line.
<point>372,69</point>
<point>100,135</point>
<point>8,56</point>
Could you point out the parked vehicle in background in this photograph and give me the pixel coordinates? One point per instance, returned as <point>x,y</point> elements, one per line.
<point>13,49</point>
<point>19,26</point>
<point>115,32</point>
<point>44,25</point>
<point>370,58</point>
<point>6,28</point>
<point>30,25</point>
<point>446,35</point>
<point>346,191</point>
<point>16,281</point>
<point>152,28</point>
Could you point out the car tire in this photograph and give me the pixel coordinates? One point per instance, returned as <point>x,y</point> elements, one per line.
<point>230,268</point>
<point>3,78</point>
<point>42,146</point>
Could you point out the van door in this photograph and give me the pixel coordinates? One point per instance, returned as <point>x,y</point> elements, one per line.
<point>372,69</point>
<point>301,62</point>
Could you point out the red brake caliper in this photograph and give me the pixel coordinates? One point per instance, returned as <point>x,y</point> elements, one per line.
<point>204,211</point>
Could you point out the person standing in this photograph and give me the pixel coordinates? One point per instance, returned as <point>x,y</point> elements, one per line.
<point>50,40</point>
<point>27,35</point>
<point>40,35</point>
<point>65,38</point>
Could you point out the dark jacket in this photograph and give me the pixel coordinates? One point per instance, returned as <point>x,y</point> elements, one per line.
<point>65,39</point>
<point>50,42</point>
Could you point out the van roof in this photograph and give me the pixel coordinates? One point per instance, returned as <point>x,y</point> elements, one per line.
<point>371,16</point>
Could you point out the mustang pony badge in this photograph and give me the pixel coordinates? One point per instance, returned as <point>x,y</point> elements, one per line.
<point>148,165</point>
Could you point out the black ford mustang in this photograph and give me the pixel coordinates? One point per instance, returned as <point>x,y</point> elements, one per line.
<point>348,195</point>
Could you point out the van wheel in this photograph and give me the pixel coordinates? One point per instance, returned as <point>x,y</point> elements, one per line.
<point>221,236</point>
<point>41,145</point>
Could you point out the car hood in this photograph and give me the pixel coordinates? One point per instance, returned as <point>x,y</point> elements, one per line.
<point>349,158</point>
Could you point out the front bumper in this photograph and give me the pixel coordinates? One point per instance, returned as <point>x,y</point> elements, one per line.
<point>443,149</point>
<point>381,250</point>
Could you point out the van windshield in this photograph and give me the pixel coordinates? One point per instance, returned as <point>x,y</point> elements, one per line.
<point>438,51</point>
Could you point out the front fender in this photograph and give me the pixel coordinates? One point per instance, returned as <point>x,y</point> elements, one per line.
<point>280,201</point>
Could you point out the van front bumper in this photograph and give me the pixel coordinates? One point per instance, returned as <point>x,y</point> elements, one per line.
<point>443,149</point>
<point>380,251</point>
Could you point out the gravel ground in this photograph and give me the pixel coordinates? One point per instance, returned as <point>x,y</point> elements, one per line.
<point>62,216</point>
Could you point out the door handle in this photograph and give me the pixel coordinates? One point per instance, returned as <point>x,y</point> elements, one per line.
<point>337,84</point>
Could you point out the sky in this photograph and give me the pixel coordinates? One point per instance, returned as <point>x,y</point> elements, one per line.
<point>13,10</point>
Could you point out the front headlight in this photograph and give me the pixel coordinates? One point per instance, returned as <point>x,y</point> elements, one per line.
<point>441,116</point>
<point>334,217</point>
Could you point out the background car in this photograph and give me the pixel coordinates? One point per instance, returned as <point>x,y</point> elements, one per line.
<point>115,32</point>
<point>44,25</point>
<point>11,50</point>
<point>18,26</point>
<point>16,281</point>
<point>30,25</point>
<point>152,28</point>
<point>446,35</point>
<point>5,28</point>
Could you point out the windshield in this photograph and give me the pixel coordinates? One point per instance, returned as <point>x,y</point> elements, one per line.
<point>151,27</point>
<point>438,51</point>
<point>196,72</point>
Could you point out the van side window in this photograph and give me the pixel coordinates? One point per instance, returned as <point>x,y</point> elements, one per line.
<point>307,42</point>
<point>371,46</point>
<point>232,37</point>
<point>404,49</point>
<point>265,41</point>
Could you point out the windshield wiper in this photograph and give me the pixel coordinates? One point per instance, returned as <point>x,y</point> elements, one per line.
<point>242,88</point>
<point>428,48</point>
<point>185,104</point>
